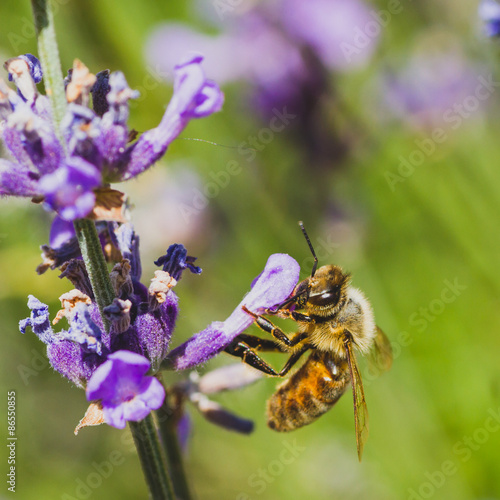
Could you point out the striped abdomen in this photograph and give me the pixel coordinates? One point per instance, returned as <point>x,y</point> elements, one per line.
<point>308,393</point>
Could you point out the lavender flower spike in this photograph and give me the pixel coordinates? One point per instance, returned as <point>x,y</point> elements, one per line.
<point>96,152</point>
<point>272,286</point>
<point>124,389</point>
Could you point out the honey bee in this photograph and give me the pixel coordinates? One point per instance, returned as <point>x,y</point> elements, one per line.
<point>334,320</point>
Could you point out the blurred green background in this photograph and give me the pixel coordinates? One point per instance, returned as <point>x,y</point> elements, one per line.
<point>425,251</point>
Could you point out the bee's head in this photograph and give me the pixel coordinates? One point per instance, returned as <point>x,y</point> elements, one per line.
<point>323,291</point>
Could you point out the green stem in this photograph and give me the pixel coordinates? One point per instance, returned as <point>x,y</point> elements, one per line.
<point>96,266</point>
<point>152,459</point>
<point>49,58</point>
<point>167,424</point>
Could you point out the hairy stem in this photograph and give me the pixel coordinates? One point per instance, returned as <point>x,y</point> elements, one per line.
<point>167,419</point>
<point>49,58</point>
<point>152,459</point>
<point>97,269</point>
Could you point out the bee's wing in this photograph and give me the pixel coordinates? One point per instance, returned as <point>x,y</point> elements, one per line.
<point>380,355</point>
<point>358,395</point>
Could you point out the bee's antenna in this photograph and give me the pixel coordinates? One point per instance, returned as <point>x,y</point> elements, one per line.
<point>315,265</point>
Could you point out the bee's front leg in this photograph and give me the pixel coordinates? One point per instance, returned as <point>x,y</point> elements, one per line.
<point>286,313</point>
<point>267,326</point>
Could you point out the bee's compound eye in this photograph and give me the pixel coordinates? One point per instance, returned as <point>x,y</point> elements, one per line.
<point>329,297</point>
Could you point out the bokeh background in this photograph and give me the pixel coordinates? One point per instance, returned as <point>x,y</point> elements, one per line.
<point>391,160</point>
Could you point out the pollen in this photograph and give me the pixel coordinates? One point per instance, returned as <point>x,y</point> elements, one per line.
<point>160,285</point>
<point>69,301</point>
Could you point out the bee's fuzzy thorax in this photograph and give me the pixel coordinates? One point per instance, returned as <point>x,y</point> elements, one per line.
<point>354,315</point>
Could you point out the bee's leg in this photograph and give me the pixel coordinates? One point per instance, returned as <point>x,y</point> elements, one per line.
<point>285,314</point>
<point>292,360</point>
<point>266,325</point>
<point>250,357</point>
<point>259,344</point>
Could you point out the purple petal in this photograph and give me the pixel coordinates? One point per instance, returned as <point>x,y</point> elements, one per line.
<point>124,390</point>
<point>72,362</point>
<point>35,67</point>
<point>81,128</point>
<point>61,232</point>
<point>127,241</point>
<point>21,70</point>
<point>124,365</point>
<point>118,96</point>
<point>274,285</point>
<point>65,356</point>
<point>68,190</point>
<point>209,101</point>
<point>16,180</point>
<point>114,416</point>
<point>176,260</point>
<point>150,398</point>
<point>152,394</point>
<point>14,140</point>
<point>39,139</point>
<point>114,136</point>
<point>84,331</point>
<point>194,96</point>
<point>154,330</point>
<point>39,321</point>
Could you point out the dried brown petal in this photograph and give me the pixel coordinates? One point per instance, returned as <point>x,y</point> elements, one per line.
<point>93,416</point>
<point>121,280</point>
<point>109,205</point>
